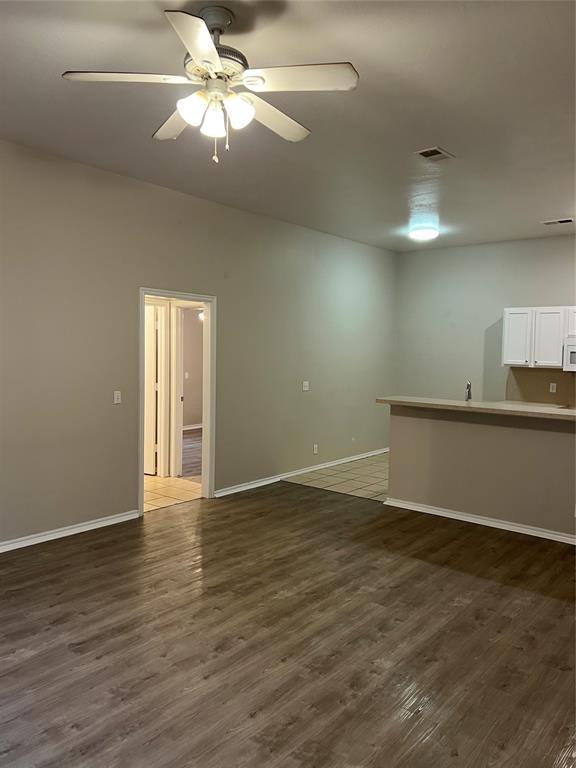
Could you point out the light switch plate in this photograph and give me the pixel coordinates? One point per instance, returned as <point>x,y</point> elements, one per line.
<point>305,386</point>
<point>552,387</point>
<point>117,397</point>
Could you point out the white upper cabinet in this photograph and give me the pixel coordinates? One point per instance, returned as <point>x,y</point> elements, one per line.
<point>517,339</point>
<point>549,333</point>
<point>571,321</point>
<point>535,337</point>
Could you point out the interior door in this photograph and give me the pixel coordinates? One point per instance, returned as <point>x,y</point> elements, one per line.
<point>150,389</point>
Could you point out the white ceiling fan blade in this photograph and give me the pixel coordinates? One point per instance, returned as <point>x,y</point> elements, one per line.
<point>276,120</point>
<point>307,77</point>
<point>193,32</point>
<point>125,77</point>
<point>172,128</point>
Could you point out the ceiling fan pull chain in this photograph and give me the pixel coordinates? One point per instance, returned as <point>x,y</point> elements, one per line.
<point>227,133</point>
<point>215,155</point>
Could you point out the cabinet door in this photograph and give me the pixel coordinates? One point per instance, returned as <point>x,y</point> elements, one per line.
<point>549,332</point>
<point>571,321</point>
<point>517,336</point>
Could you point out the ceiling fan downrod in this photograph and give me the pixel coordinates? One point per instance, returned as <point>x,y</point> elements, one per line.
<point>217,19</point>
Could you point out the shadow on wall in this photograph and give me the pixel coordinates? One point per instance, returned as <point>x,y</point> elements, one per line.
<point>494,373</point>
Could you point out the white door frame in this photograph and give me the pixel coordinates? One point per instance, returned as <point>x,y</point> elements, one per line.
<point>208,387</point>
<point>150,397</point>
<point>163,434</point>
<point>176,389</point>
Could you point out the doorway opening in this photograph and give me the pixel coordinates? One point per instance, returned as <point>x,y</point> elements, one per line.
<point>192,369</point>
<point>177,398</point>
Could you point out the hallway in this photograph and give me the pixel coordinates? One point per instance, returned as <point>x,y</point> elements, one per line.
<point>192,454</point>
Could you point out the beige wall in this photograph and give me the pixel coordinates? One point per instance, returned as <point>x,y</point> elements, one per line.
<point>293,304</point>
<point>192,329</point>
<point>510,468</point>
<point>449,318</point>
<point>76,245</point>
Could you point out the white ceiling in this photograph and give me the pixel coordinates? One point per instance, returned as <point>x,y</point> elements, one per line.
<point>492,82</point>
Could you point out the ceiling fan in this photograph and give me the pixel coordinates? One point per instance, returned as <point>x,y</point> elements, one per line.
<point>218,71</point>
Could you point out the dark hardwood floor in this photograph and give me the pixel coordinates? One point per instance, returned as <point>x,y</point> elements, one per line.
<point>192,453</point>
<point>287,627</point>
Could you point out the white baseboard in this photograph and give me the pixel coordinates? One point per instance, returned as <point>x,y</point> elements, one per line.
<point>69,530</point>
<point>191,426</point>
<point>292,473</point>
<point>491,522</point>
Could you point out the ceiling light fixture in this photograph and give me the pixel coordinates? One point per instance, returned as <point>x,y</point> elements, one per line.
<point>204,108</point>
<point>214,108</point>
<point>240,111</point>
<point>193,108</point>
<point>214,70</point>
<point>213,124</point>
<point>422,234</point>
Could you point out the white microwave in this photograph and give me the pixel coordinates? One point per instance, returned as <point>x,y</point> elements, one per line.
<point>570,354</point>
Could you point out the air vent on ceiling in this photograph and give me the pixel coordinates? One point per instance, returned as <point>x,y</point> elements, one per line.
<point>567,220</point>
<point>434,153</point>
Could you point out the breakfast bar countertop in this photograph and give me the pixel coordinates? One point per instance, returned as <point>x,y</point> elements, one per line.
<point>504,407</point>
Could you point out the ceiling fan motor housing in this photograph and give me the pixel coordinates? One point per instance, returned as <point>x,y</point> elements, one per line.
<point>218,19</point>
<point>233,62</point>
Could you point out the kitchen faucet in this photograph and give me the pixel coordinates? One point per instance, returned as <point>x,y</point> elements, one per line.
<point>468,395</point>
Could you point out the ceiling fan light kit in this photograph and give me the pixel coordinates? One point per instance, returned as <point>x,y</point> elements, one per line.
<point>217,71</point>
<point>240,110</point>
<point>214,125</point>
<point>193,108</point>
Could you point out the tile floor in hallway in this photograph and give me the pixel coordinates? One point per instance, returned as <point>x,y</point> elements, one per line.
<point>367,477</point>
<point>162,492</point>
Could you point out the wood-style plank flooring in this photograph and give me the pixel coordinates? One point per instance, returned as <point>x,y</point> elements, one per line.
<point>192,454</point>
<point>287,627</point>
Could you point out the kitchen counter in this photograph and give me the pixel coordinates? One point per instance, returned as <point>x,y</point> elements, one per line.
<point>503,464</point>
<point>504,407</point>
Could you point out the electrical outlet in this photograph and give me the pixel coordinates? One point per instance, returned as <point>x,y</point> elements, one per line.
<point>552,387</point>
<point>315,448</point>
<point>117,397</point>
